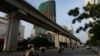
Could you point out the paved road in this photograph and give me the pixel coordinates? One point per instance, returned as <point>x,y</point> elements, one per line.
<point>76,52</point>
<point>68,52</point>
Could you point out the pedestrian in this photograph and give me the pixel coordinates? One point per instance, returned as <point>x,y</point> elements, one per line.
<point>30,51</point>
<point>62,48</point>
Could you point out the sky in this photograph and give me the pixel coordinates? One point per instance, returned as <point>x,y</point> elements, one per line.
<point>62,8</point>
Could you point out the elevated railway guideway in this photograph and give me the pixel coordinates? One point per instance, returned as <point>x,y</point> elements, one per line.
<point>28,13</point>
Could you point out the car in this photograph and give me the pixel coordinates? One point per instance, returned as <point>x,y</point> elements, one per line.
<point>42,47</point>
<point>88,47</point>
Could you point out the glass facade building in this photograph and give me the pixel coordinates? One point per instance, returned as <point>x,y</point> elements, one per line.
<point>48,8</point>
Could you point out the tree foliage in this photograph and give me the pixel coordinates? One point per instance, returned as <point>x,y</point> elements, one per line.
<point>90,11</point>
<point>40,41</point>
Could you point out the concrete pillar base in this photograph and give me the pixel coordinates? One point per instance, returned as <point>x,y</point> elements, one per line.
<point>10,43</point>
<point>57,45</point>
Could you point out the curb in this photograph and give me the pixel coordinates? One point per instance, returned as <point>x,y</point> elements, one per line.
<point>97,53</point>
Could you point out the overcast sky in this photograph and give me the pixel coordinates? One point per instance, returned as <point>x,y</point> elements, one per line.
<point>62,7</point>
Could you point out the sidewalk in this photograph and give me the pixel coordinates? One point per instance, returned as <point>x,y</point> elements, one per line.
<point>96,50</point>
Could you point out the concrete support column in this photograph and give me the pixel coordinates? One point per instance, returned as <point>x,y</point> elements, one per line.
<point>57,45</point>
<point>70,42</point>
<point>74,43</point>
<point>10,43</point>
<point>78,44</point>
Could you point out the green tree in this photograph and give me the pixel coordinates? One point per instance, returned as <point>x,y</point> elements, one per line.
<point>90,11</point>
<point>40,41</point>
